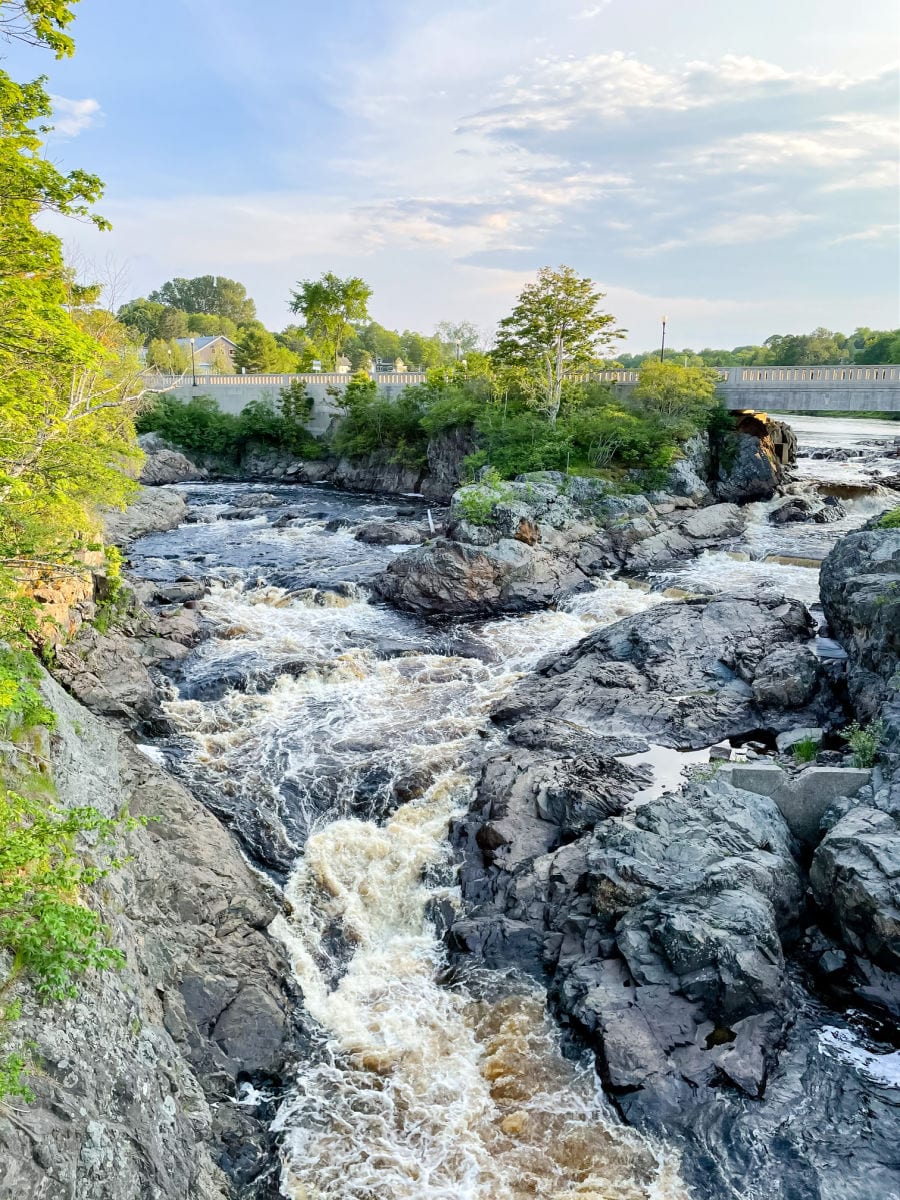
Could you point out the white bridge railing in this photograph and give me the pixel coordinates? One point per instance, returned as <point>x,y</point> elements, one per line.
<point>874,376</point>
<point>730,377</point>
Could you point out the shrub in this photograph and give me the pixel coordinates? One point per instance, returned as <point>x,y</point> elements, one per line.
<point>476,502</point>
<point>50,935</point>
<point>200,427</point>
<point>864,741</point>
<point>890,520</point>
<point>375,424</point>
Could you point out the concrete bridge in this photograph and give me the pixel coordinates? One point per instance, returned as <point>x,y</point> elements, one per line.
<point>779,389</point>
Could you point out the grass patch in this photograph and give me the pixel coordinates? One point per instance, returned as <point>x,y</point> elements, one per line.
<point>805,750</point>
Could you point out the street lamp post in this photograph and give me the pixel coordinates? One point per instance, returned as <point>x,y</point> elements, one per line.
<point>662,348</point>
<point>193,364</point>
<point>458,349</point>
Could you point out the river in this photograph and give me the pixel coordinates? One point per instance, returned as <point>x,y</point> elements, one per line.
<point>337,736</point>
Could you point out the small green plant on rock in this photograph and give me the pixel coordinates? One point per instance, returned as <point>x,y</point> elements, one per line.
<point>805,750</point>
<point>21,704</point>
<point>476,502</point>
<point>890,520</point>
<point>864,741</point>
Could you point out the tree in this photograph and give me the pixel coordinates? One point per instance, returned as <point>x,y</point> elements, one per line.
<point>210,325</point>
<point>682,397</point>
<point>258,353</point>
<point>807,349</point>
<point>39,22</point>
<point>143,316</point>
<point>459,338</point>
<point>419,351</point>
<point>879,347</point>
<point>556,327</point>
<point>328,306</point>
<point>172,323</point>
<point>211,294</point>
<point>168,356</point>
<point>69,375</point>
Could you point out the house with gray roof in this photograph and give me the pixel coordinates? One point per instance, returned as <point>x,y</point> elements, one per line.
<point>215,353</point>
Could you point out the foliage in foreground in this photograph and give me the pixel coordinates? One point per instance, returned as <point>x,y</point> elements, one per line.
<point>69,385</point>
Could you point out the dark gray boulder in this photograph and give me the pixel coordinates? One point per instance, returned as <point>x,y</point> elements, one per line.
<point>679,674</point>
<point>456,577</point>
<point>389,533</point>
<point>751,460</point>
<point>164,464</point>
<point>803,508</point>
<point>660,927</point>
<point>860,584</point>
<point>855,878</point>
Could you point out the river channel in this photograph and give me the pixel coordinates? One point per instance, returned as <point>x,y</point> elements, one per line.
<point>337,737</point>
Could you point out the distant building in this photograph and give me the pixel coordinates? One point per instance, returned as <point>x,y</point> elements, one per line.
<point>385,366</point>
<point>211,354</point>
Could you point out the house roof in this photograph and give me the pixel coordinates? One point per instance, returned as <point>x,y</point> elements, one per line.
<point>200,343</point>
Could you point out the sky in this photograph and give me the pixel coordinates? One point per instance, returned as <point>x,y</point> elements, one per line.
<point>734,167</point>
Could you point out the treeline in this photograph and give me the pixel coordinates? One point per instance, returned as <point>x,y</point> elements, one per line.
<point>822,347</point>
<point>335,324</point>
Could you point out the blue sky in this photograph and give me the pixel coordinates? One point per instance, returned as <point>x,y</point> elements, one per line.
<point>732,166</point>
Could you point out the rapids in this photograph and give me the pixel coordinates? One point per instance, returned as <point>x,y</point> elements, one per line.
<point>337,736</point>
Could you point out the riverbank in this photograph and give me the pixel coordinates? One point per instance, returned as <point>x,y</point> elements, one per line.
<point>138,1082</point>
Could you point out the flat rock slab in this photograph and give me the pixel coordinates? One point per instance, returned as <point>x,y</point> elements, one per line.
<point>787,740</point>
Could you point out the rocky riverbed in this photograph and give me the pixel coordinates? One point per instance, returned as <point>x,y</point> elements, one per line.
<point>649,960</point>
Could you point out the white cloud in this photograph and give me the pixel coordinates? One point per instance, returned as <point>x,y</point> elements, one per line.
<point>556,93</point>
<point>588,14</point>
<point>874,233</point>
<point>834,143</point>
<point>71,117</point>
<point>738,229</point>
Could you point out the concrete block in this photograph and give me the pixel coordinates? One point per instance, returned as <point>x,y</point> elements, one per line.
<point>762,778</point>
<point>785,741</point>
<point>804,799</point>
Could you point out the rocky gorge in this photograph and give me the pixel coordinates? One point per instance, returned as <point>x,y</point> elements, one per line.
<point>536,677</point>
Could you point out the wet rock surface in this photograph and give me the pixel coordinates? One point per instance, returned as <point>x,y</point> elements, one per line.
<point>525,544</point>
<point>860,584</point>
<point>666,928</point>
<point>141,1073</point>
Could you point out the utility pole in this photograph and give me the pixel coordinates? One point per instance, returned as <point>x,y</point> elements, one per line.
<point>662,348</point>
<point>193,365</point>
